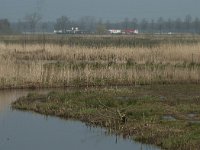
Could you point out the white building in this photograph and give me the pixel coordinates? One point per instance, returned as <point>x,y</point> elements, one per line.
<point>115,31</point>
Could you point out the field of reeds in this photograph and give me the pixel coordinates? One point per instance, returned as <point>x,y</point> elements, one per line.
<point>167,116</point>
<point>59,61</point>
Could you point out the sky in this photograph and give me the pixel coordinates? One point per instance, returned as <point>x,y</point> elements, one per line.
<point>113,10</point>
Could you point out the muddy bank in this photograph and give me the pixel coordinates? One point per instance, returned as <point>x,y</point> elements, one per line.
<point>27,130</point>
<point>159,115</point>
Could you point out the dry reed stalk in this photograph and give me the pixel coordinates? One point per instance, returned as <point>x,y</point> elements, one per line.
<point>66,66</point>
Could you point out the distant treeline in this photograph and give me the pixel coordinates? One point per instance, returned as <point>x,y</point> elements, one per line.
<point>33,23</point>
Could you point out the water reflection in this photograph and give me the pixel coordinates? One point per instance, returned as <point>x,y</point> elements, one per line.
<point>28,130</point>
<point>8,96</point>
<point>6,99</point>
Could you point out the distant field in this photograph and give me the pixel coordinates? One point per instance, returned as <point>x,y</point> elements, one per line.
<point>102,40</point>
<point>61,60</point>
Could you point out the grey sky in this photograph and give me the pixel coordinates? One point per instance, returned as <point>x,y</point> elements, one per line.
<point>113,10</point>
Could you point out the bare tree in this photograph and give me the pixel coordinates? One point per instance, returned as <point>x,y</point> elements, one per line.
<point>135,23</point>
<point>178,23</point>
<point>197,25</point>
<point>152,25</point>
<point>169,25</point>
<point>33,20</point>
<point>160,23</point>
<point>125,23</point>
<point>62,23</point>
<point>88,23</point>
<point>100,27</point>
<point>108,24</point>
<point>5,26</point>
<point>144,24</point>
<point>188,21</point>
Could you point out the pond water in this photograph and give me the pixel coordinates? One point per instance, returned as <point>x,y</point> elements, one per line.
<point>31,131</point>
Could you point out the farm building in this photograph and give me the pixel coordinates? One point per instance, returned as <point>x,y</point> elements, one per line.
<point>115,31</point>
<point>72,31</point>
<point>126,31</point>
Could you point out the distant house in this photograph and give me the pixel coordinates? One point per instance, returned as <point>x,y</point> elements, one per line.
<point>58,31</point>
<point>126,31</point>
<point>115,31</point>
<point>72,31</point>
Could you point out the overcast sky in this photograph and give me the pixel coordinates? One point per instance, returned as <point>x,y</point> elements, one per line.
<point>113,10</point>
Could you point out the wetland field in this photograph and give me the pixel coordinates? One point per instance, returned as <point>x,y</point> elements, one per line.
<point>166,116</point>
<point>64,61</point>
<point>143,87</point>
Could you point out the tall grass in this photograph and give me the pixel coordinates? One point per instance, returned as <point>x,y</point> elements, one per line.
<point>82,65</point>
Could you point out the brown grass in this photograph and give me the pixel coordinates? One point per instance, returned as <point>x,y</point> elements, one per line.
<point>63,65</point>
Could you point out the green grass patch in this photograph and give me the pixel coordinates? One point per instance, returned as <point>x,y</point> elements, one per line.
<point>150,114</point>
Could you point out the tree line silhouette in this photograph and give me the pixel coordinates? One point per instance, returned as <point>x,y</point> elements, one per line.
<point>34,23</point>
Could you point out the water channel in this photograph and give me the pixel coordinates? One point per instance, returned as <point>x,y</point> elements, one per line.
<point>31,131</point>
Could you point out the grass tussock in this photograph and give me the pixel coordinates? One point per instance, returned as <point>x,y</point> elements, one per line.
<point>167,116</point>
<point>51,64</point>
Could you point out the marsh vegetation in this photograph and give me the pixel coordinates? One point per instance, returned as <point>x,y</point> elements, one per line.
<point>167,116</point>
<point>159,103</point>
<point>61,61</point>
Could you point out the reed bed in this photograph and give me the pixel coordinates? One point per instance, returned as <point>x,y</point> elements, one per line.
<point>57,65</point>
